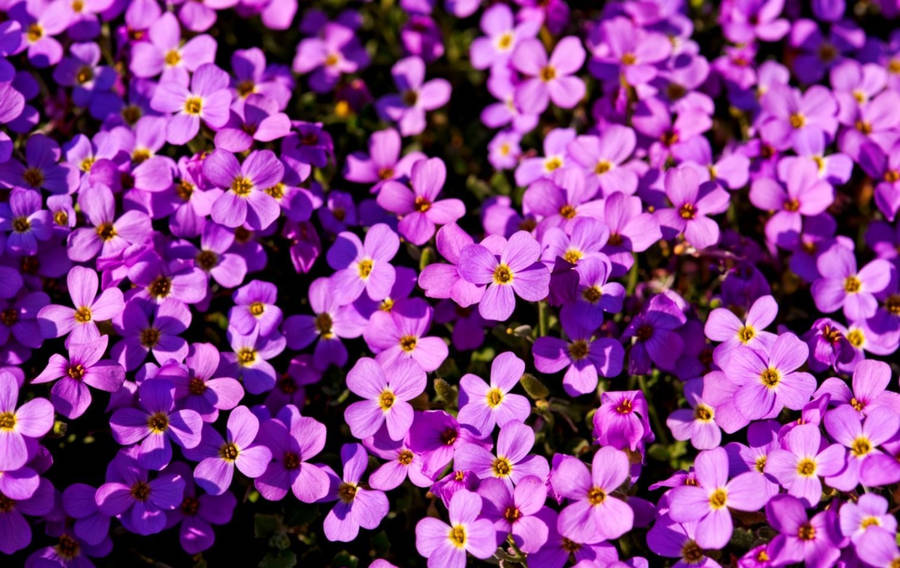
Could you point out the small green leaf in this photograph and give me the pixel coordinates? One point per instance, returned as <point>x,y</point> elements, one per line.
<point>535,388</point>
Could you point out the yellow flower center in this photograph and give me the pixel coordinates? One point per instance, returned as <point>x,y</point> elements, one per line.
<point>770,377</point>
<point>193,106</point>
<point>703,413</point>
<point>806,467</point>
<point>408,343</point>
<point>501,467</point>
<point>7,421</point>
<point>457,536</point>
<point>229,451</point>
<point>718,498</point>
<point>548,73</point>
<point>861,447</point>
<point>386,400</point>
<point>494,397</point>
<point>797,120</point>
<point>746,333</point>
<point>241,186</point>
<point>364,268</point>
<point>596,496</point>
<point>173,57</point>
<point>158,423</point>
<point>503,274</point>
<point>246,356</point>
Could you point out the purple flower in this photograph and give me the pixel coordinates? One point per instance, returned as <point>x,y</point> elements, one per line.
<point>416,96</point>
<point>755,19</point>
<point>654,333</point>
<point>245,198</point>
<point>805,195</point>
<point>82,283</point>
<point>842,285</point>
<point>399,335</point>
<point>383,162</point>
<point>83,368</point>
<point>443,280</point>
<point>788,113</point>
<point>512,462</point>
<point>419,209</point>
<point>402,463</point>
<point>502,34</point>
<point>622,421</point>
<point>356,507</point>
<point>387,391</point>
<point>548,79</point>
<point>255,309</point>
<point>164,53</point>
<point>767,377</point>
<point>197,514</point>
<point>364,266</point>
<point>156,424</point>
<point>803,460</point>
<point>26,222</point>
<point>197,386</point>
<point>16,530</point>
<point>869,512</point>
<point>445,545</point>
<point>19,425</point>
<point>708,502</point>
<point>512,270</point>
<point>483,405</point>
<point>208,98</point>
<point>697,424</point>
<point>813,541</point>
<point>691,203</point>
<point>249,359</point>
<point>140,336</point>
<point>870,381</point>
<point>620,48</point>
<point>91,524</point>
<point>861,437</point>
<point>583,356</point>
<point>336,51</point>
<point>722,325</point>
<point>108,235</point>
<point>515,512</point>
<point>293,440</point>
<point>594,514</point>
<point>219,456</point>
<point>140,503</point>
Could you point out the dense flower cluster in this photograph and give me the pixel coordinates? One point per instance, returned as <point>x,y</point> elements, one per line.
<point>656,321</point>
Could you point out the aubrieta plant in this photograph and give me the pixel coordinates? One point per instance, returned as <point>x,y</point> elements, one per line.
<point>449,283</point>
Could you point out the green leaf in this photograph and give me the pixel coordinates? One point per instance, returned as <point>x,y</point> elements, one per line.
<point>535,388</point>
<point>265,525</point>
<point>281,559</point>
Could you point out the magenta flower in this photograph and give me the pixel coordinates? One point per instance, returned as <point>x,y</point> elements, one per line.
<point>293,440</point>
<point>387,390</point>
<point>139,502</point>
<point>207,99</point>
<point>602,158</point>
<point>691,203</point>
<point>419,209</point>
<point>416,96</point>
<point>512,462</point>
<point>513,270</point>
<point>255,309</point>
<point>842,285</point>
<point>622,421</point>
<point>445,545</point>
<point>813,541</point>
<point>709,501</point>
<point>245,198</point>
<point>767,377</point>
<point>83,368</point>
<point>81,322</point>
<point>357,506</point>
<point>364,266</point>
<point>803,460</point>
<point>402,463</point>
<point>249,359</point>
<point>788,113</point>
<point>156,424</point>
<point>483,405</point>
<point>20,425</point>
<point>594,514</point>
<point>548,79</point>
